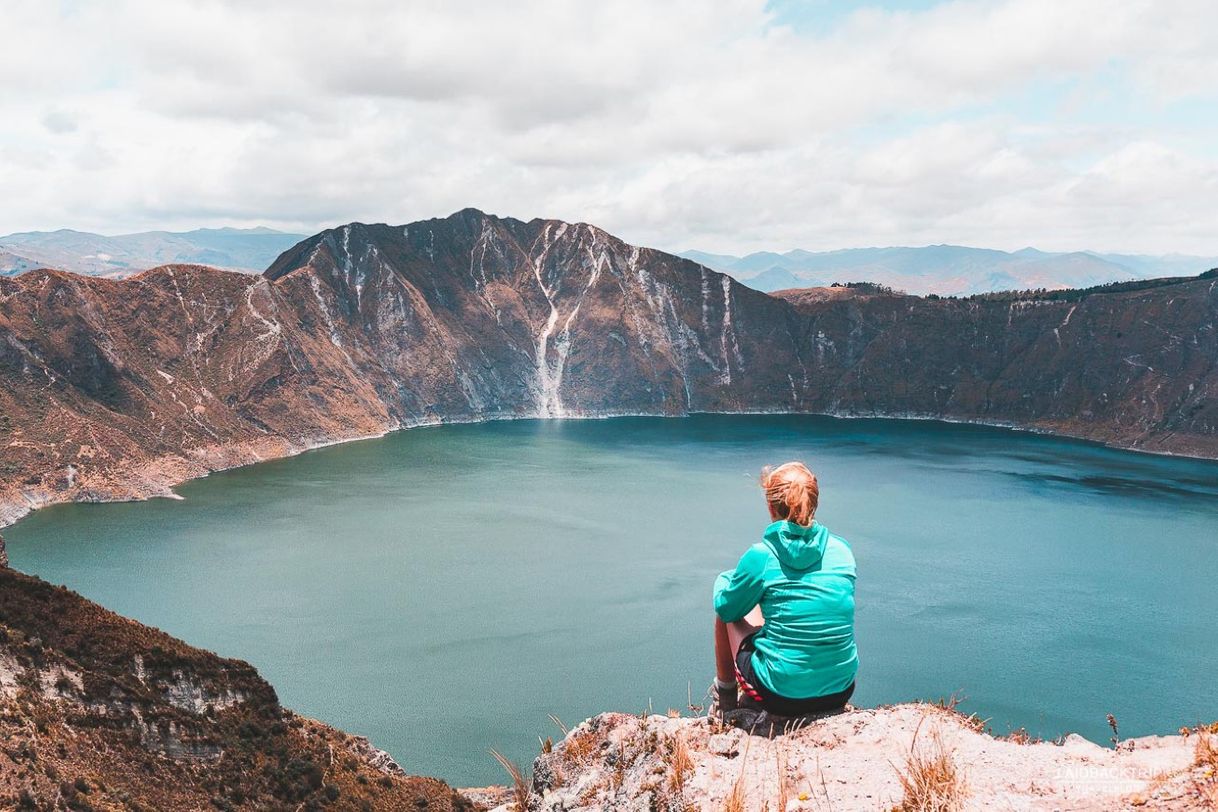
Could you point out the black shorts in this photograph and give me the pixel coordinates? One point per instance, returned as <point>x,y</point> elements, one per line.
<point>777,705</point>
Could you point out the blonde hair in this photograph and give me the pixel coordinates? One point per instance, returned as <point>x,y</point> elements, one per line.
<point>791,491</point>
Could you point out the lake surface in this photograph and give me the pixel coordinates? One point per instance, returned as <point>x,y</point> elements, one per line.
<point>443,590</point>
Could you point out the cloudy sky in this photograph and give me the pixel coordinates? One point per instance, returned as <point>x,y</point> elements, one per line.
<point>725,125</point>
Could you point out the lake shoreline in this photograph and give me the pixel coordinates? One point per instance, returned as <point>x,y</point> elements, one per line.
<point>171,471</point>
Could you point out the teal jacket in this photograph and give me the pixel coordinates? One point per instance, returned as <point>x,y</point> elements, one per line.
<point>803,579</point>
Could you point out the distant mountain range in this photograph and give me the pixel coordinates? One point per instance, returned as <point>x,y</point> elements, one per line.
<point>238,249</point>
<point>948,270</point>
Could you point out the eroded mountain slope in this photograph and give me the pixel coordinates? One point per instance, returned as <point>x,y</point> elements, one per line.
<point>120,389</point>
<point>100,712</point>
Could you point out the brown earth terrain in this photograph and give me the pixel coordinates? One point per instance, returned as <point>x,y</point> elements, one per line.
<point>120,389</point>
<point>98,712</point>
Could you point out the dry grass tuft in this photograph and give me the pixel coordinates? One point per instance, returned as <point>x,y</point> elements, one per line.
<point>1205,758</point>
<point>780,757</point>
<point>618,777</point>
<point>951,704</point>
<point>931,781</point>
<point>736,800</point>
<point>1205,752</point>
<point>680,762</point>
<point>1022,736</point>
<point>689,690</point>
<point>520,787</point>
<point>579,747</point>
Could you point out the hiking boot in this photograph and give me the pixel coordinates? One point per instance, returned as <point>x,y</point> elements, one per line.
<point>724,698</point>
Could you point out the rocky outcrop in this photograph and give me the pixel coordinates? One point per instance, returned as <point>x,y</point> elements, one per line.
<point>100,712</point>
<point>3,554</point>
<point>120,389</point>
<point>903,757</point>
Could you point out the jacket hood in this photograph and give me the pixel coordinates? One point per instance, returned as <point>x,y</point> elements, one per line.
<point>795,545</point>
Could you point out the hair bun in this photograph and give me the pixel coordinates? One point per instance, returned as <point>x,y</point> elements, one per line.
<point>792,492</point>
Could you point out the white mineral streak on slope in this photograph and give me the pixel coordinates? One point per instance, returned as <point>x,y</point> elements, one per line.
<point>269,339</point>
<point>371,254</point>
<point>1138,364</point>
<point>272,328</point>
<point>427,320</point>
<point>194,417</point>
<point>803,370</point>
<point>822,341</point>
<point>1065,321</point>
<point>315,284</point>
<point>191,353</point>
<point>485,239</point>
<point>399,308</point>
<point>562,342</point>
<point>194,345</point>
<point>469,389</point>
<point>392,316</point>
<point>629,301</point>
<point>177,291</point>
<point>28,354</point>
<point>213,325</point>
<point>705,301</point>
<point>685,337</point>
<point>549,404</point>
<point>656,294</point>
<point>646,288</point>
<point>728,336</point>
<point>680,336</point>
<point>481,283</point>
<point>727,292</point>
<point>349,269</point>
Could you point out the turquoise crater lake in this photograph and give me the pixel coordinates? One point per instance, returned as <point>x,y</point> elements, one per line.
<point>443,590</point>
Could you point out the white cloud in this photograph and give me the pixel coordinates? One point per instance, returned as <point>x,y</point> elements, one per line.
<point>705,123</point>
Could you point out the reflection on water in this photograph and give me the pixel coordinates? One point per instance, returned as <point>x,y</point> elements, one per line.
<point>1188,490</point>
<point>444,590</point>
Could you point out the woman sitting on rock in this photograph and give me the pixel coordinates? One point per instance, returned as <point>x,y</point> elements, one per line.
<point>784,634</point>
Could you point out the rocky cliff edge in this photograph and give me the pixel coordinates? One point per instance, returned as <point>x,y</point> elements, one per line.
<point>902,757</point>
